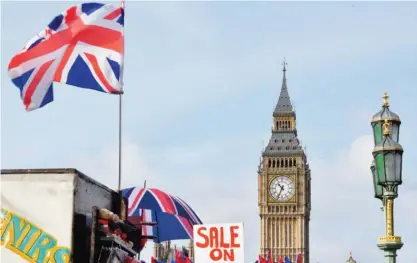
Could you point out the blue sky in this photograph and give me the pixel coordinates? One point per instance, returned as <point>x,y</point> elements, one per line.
<point>201,81</point>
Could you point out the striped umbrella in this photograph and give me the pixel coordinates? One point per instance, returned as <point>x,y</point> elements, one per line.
<point>158,201</point>
<point>173,217</point>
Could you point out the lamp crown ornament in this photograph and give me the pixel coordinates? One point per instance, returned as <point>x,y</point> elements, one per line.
<point>385,97</point>
<point>386,126</point>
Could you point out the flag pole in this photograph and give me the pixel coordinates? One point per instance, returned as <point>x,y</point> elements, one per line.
<point>120,142</point>
<point>122,6</point>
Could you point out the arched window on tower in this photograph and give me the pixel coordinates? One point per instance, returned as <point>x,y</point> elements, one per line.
<point>273,163</point>
<point>269,163</point>
<point>282,162</point>
<point>286,162</point>
<point>286,234</point>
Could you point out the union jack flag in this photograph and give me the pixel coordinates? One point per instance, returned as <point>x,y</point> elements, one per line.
<point>82,47</point>
<point>181,258</point>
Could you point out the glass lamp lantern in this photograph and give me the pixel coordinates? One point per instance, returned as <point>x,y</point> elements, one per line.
<point>379,119</point>
<point>378,189</point>
<point>388,160</point>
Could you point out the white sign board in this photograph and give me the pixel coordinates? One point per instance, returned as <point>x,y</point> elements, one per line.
<point>36,218</point>
<point>218,243</point>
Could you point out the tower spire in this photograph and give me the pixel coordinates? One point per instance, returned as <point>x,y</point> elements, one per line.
<point>284,63</point>
<point>284,102</point>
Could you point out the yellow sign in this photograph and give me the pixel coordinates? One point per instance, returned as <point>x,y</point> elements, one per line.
<point>29,241</point>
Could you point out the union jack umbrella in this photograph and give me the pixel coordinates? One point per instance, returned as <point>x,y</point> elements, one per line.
<point>174,217</point>
<point>82,47</point>
<point>158,201</point>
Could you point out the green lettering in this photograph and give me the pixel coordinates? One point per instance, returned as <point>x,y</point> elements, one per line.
<point>15,230</point>
<point>22,236</point>
<point>40,248</point>
<point>28,237</point>
<point>61,255</point>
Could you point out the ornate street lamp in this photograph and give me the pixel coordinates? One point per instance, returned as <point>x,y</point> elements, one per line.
<point>387,173</point>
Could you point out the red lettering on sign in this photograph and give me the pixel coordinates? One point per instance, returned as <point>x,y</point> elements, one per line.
<point>214,237</point>
<point>233,236</point>
<point>215,254</point>
<point>222,255</point>
<point>201,234</point>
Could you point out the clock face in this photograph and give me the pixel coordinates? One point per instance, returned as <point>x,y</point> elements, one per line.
<point>282,188</point>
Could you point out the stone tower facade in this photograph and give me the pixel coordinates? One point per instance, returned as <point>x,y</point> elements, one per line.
<point>284,191</point>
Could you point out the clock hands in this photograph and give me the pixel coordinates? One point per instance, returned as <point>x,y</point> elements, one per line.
<point>282,188</point>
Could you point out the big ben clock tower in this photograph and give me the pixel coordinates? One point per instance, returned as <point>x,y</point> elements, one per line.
<point>284,186</point>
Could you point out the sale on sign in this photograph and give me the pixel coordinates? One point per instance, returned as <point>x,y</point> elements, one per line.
<point>218,243</point>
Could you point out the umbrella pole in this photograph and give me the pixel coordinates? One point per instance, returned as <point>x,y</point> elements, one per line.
<point>157,226</point>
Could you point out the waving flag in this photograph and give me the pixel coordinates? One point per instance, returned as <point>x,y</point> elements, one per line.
<point>261,259</point>
<point>82,47</point>
<point>287,260</point>
<point>300,258</point>
<point>268,257</point>
<point>181,258</point>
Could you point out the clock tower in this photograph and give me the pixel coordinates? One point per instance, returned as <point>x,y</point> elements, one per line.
<point>284,192</point>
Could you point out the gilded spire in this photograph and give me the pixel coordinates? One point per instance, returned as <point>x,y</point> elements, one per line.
<point>385,98</point>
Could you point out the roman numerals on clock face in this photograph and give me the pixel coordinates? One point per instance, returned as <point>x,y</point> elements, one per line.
<point>282,188</point>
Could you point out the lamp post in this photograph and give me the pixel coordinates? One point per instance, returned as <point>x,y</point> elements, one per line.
<point>387,173</point>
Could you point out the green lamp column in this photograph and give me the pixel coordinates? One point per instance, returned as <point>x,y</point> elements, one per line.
<point>387,173</point>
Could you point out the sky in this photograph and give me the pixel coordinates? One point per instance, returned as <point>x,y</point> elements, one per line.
<point>201,82</point>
